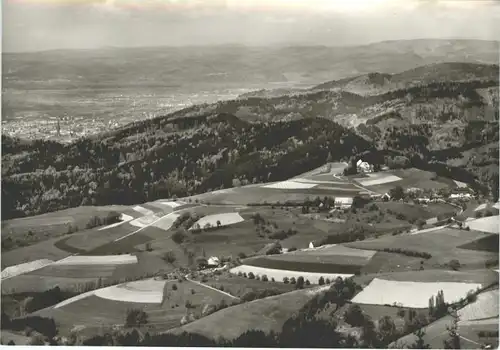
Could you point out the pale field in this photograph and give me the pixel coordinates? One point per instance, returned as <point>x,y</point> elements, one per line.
<point>374,180</point>
<point>166,222</point>
<point>278,275</point>
<point>147,291</point>
<point>142,210</point>
<point>411,294</point>
<point>486,306</point>
<point>172,204</point>
<point>98,260</point>
<point>16,270</point>
<point>144,221</point>
<point>488,224</point>
<point>290,185</point>
<point>335,249</point>
<point>430,229</point>
<point>311,181</point>
<point>224,218</point>
<point>481,207</point>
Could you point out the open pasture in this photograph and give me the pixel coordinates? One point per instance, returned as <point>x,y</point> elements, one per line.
<point>93,312</point>
<point>279,274</point>
<point>328,169</point>
<point>483,277</point>
<point>301,263</point>
<point>488,243</point>
<point>120,246</point>
<point>75,276</point>
<point>290,185</point>
<point>330,259</point>
<point>383,262</point>
<point>76,271</point>
<point>20,269</point>
<point>32,282</point>
<point>490,224</point>
<point>441,244</point>
<point>230,240</point>
<point>40,250</point>
<point>55,224</point>
<point>387,292</point>
<point>97,260</point>
<point>334,249</point>
<point>246,195</point>
<point>268,314</point>
<point>239,286</point>
<point>411,178</point>
<point>215,220</point>
<point>486,306</point>
<point>81,242</point>
<point>377,179</point>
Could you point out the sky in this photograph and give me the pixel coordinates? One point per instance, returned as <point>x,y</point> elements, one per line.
<point>35,25</point>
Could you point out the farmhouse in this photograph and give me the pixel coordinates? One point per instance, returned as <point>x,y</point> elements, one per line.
<point>460,196</point>
<point>364,167</point>
<point>343,202</point>
<point>213,261</point>
<point>423,200</point>
<point>386,197</point>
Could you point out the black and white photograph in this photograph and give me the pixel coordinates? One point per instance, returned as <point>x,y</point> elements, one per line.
<point>250,173</point>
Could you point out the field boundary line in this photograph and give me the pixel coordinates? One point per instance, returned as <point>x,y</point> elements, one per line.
<point>209,287</point>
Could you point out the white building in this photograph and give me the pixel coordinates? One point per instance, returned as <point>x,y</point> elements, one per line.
<point>343,202</point>
<point>364,166</point>
<point>213,261</point>
<point>311,245</point>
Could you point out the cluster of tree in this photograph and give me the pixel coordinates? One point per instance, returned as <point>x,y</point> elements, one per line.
<point>407,252</point>
<point>438,307</point>
<point>42,325</point>
<point>136,318</point>
<point>38,301</point>
<point>111,218</point>
<point>355,233</point>
<point>254,294</point>
<point>487,334</point>
<point>283,234</point>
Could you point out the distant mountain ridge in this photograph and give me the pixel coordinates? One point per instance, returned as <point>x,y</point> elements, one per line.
<point>377,83</point>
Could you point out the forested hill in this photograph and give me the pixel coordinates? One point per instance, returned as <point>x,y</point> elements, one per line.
<point>449,127</point>
<point>162,158</point>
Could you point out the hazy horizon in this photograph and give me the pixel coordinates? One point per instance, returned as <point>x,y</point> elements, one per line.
<point>42,25</point>
<point>235,44</point>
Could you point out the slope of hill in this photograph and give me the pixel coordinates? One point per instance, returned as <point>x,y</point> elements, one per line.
<point>162,158</point>
<point>376,83</point>
<point>210,147</point>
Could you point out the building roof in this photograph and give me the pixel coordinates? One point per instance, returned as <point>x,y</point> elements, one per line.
<point>343,200</point>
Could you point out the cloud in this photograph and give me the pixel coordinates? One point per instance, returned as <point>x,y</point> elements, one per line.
<point>47,24</point>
